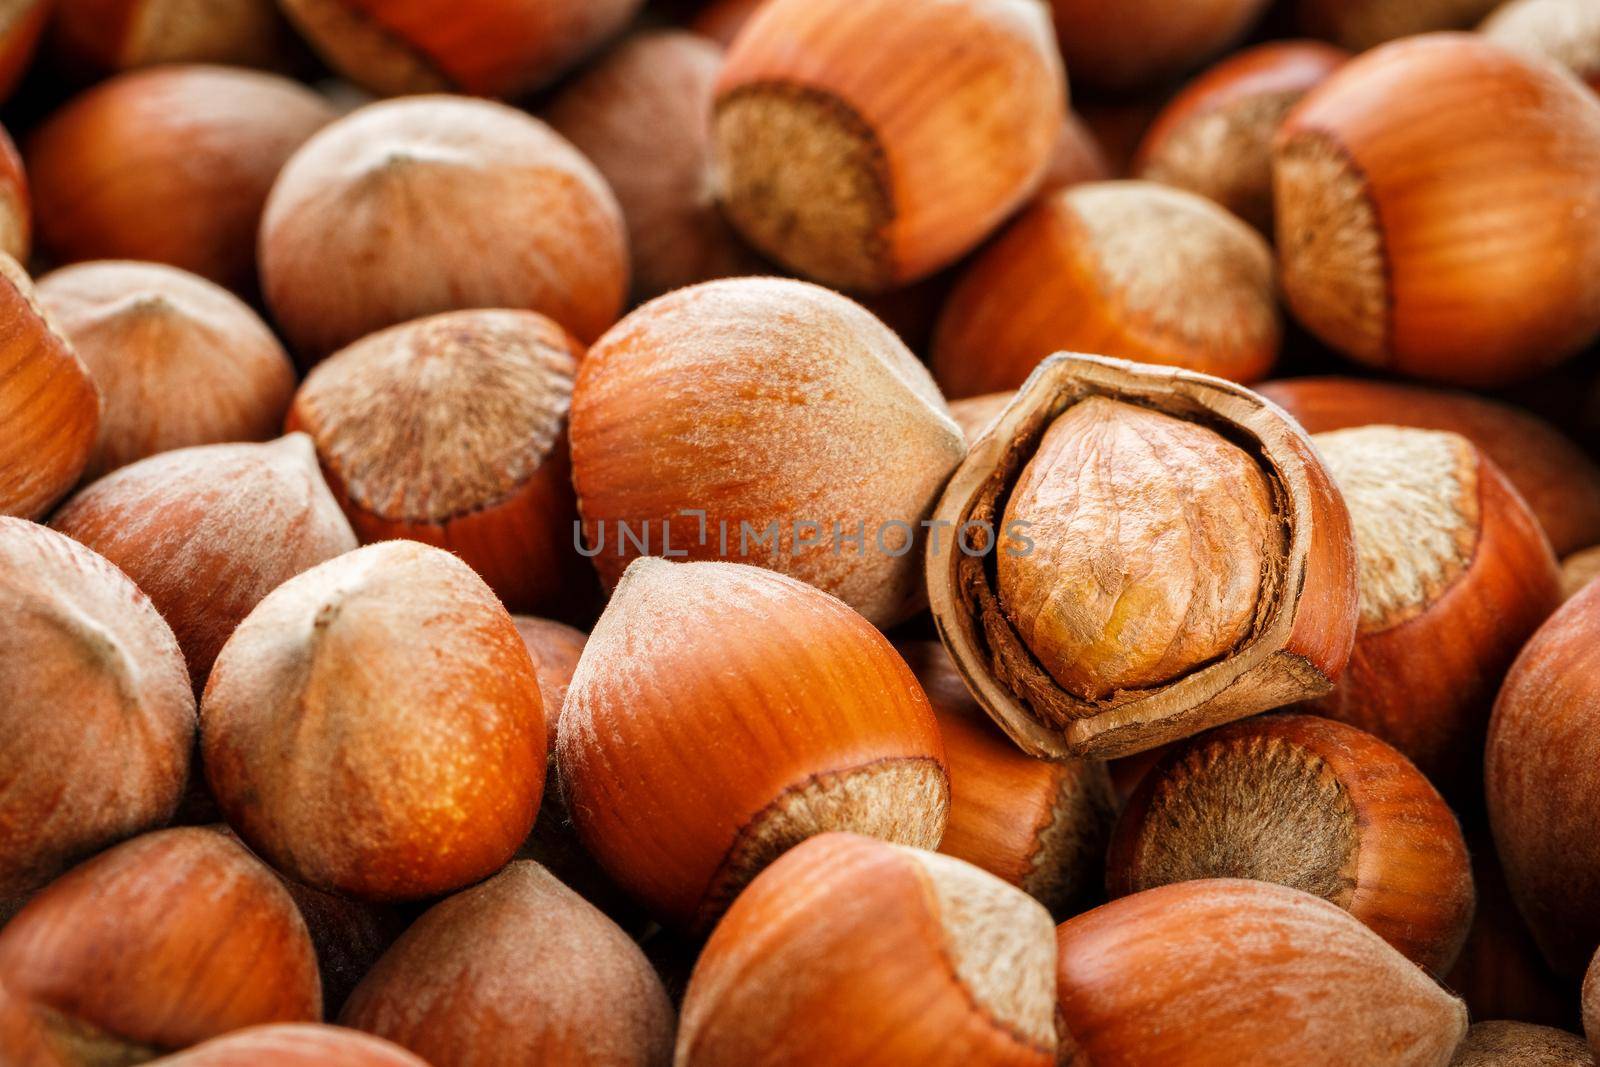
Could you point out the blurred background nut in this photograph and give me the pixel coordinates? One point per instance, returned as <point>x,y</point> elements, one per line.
<point>294,1045</point>
<point>1142,42</point>
<point>1362,24</point>
<point>1566,31</point>
<point>97,36</point>
<point>16,204</point>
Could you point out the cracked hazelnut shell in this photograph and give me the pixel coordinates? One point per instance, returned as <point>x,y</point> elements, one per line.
<point>294,1045</point>
<point>1565,31</point>
<point>1143,42</point>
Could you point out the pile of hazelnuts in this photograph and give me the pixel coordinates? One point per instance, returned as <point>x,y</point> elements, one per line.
<point>764,533</point>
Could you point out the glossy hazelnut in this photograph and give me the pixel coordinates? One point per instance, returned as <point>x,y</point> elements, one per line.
<point>1438,211</point>
<point>16,205</point>
<point>721,20</point>
<point>1455,576</point>
<point>19,38</point>
<point>483,395</point>
<point>294,1045</point>
<point>1215,137</point>
<point>1578,570</point>
<point>639,114</point>
<point>1041,826</point>
<point>1566,31</point>
<point>515,217</point>
<point>1133,270</point>
<point>1362,24</point>
<point>206,532</point>
<point>850,950</point>
<point>374,727</point>
<point>96,36</point>
<point>49,405</point>
<point>179,361</point>
<point>1311,804</point>
<point>765,421</point>
<point>855,139</point>
<point>721,714</point>
<point>170,164</point>
<point>519,969</point>
<point>159,943</point>
<point>1243,971</point>
<point>482,47</point>
<point>1135,554</point>
<point>95,707</point>
<point>1503,1043</point>
<point>1142,42</point>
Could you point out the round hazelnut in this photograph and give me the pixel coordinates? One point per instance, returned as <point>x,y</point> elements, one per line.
<point>721,20</point>
<point>1243,971</point>
<point>514,217</point>
<point>1215,137</point>
<point>721,714</point>
<point>482,47</point>
<point>1566,31</point>
<point>1133,270</point>
<point>1142,42</point>
<point>483,395</point>
<point>1312,804</point>
<point>207,532</point>
<point>294,1045</point>
<point>159,943</point>
<point>855,139</point>
<point>519,969</point>
<point>16,206</point>
<point>95,707</point>
<point>1137,553</point>
<point>762,420</point>
<point>1362,24</point>
<point>850,950</point>
<point>1455,576</point>
<point>1578,570</point>
<point>97,36</point>
<point>1503,1043</point>
<point>20,30</point>
<point>179,360</point>
<point>170,164</point>
<point>1438,211</point>
<point>374,727</point>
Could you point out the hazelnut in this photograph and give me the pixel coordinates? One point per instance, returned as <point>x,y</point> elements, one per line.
<point>294,1045</point>
<point>349,936</point>
<point>515,218</point>
<point>1215,137</point>
<point>1128,269</point>
<point>483,395</point>
<point>1513,1044</point>
<point>718,400</point>
<point>1362,24</point>
<point>49,405</point>
<point>374,727</point>
<point>1543,776</point>
<point>1455,576</point>
<point>16,206</point>
<point>1076,158</point>
<point>1244,972</point>
<point>1591,1006</point>
<point>95,707</point>
<point>555,649</point>
<point>482,47</point>
<point>1577,570</point>
<point>850,950</point>
<point>1142,42</point>
<point>1553,475</point>
<point>519,969</point>
<point>1135,554</point>
<point>639,115</point>
<point>97,36</point>
<point>206,532</point>
<point>179,360</point>
<point>855,140</point>
<point>170,164</point>
<point>721,20</point>
<point>975,414</point>
<point>690,763</point>
<point>1438,211</point>
<point>1041,826</point>
<point>159,943</point>
<point>1311,804</point>
<point>20,30</point>
<point>1566,31</point>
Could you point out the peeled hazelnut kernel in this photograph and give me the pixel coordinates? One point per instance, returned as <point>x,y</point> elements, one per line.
<point>114,35</point>
<point>482,47</point>
<point>344,251</point>
<point>49,405</point>
<point>1438,211</point>
<point>95,708</point>
<point>294,1045</point>
<point>207,532</point>
<point>639,115</point>
<point>159,943</point>
<point>777,409</point>
<point>1041,826</point>
<point>1311,804</point>
<point>855,140</point>
<point>1129,269</point>
<point>1455,576</point>
<point>1578,570</point>
<point>1208,972</point>
<point>1215,137</point>
<point>850,950</point>
<point>179,361</point>
<point>1142,42</point>
<point>16,206</point>
<point>1362,24</point>
<point>374,727</point>
<point>1566,31</point>
<point>1515,1044</point>
<point>483,395</point>
<point>721,714</point>
<point>721,20</point>
<point>975,414</point>
<point>1553,475</point>
<point>1543,776</point>
<point>519,969</point>
<point>170,164</point>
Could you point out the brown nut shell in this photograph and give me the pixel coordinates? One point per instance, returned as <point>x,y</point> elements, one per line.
<point>16,204</point>
<point>96,36</point>
<point>1142,42</point>
<point>1591,1005</point>
<point>721,20</point>
<point>1566,31</point>
<point>1578,570</point>
<point>1363,24</point>
<point>1503,1043</point>
<point>294,1045</point>
<point>20,30</point>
